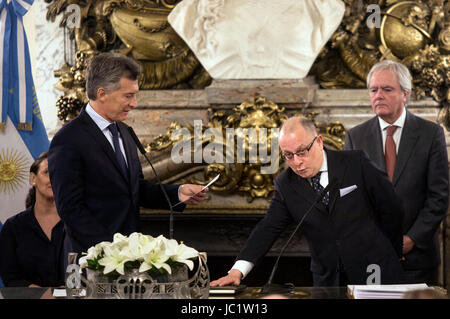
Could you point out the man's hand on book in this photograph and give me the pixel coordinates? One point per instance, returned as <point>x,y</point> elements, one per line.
<point>233,278</point>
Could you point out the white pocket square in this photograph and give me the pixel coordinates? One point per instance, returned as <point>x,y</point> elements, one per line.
<point>344,191</point>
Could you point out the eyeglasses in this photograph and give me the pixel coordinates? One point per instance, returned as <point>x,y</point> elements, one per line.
<point>288,156</point>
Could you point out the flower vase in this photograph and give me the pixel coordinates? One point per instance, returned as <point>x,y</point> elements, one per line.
<point>170,280</point>
<point>135,285</point>
<point>100,286</point>
<point>172,286</point>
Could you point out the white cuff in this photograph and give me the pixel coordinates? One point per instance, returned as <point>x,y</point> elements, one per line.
<point>243,266</point>
<point>179,188</point>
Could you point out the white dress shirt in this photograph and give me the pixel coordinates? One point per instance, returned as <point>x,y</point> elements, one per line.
<point>103,124</point>
<point>400,123</point>
<point>245,266</point>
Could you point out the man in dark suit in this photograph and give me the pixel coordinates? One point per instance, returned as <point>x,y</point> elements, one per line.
<point>354,227</point>
<point>415,158</point>
<point>93,163</point>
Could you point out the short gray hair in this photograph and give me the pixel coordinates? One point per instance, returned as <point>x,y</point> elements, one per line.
<point>105,71</point>
<point>402,72</point>
<point>294,122</point>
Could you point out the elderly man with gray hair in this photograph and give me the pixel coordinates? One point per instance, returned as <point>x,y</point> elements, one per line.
<point>412,151</point>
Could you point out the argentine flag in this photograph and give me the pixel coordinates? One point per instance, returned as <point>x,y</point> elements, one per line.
<point>22,132</point>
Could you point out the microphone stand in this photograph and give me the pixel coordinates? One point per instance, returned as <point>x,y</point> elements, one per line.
<point>269,287</point>
<point>144,152</point>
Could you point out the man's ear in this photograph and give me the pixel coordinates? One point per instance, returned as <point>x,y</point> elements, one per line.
<point>319,140</point>
<point>101,93</point>
<point>405,97</point>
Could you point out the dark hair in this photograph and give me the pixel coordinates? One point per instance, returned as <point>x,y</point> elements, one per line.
<point>31,197</point>
<point>105,71</point>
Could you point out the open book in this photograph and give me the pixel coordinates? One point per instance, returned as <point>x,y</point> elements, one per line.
<point>226,290</point>
<point>381,291</point>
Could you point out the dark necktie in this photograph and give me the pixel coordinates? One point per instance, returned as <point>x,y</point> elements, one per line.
<point>390,153</point>
<point>315,181</point>
<point>119,155</point>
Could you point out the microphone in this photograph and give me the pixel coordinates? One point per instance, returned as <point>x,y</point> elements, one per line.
<point>269,287</point>
<point>144,152</point>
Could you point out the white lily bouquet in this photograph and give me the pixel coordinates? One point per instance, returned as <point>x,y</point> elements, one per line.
<point>138,251</point>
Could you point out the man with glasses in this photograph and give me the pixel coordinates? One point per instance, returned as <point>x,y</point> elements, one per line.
<point>413,153</point>
<point>351,231</point>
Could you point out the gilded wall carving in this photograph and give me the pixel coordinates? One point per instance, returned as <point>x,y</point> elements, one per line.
<point>227,133</point>
<point>138,28</point>
<point>416,33</point>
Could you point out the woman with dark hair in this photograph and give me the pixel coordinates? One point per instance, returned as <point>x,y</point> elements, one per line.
<point>31,242</point>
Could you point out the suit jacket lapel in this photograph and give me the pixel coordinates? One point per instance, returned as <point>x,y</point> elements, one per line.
<point>407,142</point>
<point>304,189</point>
<point>100,138</point>
<point>336,169</point>
<point>375,145</point>
<point>128,145</point>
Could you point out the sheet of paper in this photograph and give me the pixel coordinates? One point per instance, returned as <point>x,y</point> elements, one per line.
<point>211,182</point>
<point>382,291</point>
<point>61,292</point>
<point>204,187</point>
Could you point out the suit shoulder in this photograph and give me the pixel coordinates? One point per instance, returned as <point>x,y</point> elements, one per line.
<point>424,123</point>
<point>347,154</point>
<point>362,127</point>
<point>427,130</point>
<point>70,130</point>
<point>69,126</point>
<point>285,174</point>
<point>354,158</point>
<point>285,177</point>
